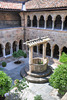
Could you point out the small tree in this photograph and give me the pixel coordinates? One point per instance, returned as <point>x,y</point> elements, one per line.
<point>18,54</point>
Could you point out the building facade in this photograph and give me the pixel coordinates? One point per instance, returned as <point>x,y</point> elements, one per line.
<point>43,18</point>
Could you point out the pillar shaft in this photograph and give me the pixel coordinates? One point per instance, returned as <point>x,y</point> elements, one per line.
<point>51,53</point>
<point>45,24</point>
<point>53,25</point>
<point>3,52</point>
<point>30,58</point>
<point>31,23</point>
<point>44,50</point>
<point>37,49</point>
<point>37,23</point>
<point>11,50</point>
<point>62,26</point>
<point>17,48</point>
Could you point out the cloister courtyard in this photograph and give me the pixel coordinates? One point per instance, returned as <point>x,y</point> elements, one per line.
<point>45,90</point>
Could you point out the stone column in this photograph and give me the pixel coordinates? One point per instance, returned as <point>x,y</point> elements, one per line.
<point>17,48</point>
<point>59,53</point>
<point>4,52</point>
<point>31,18</point>
<point>37,49</point>
<point>30,58</point>
<point>44,50</point>
<point>11,50</point>
<point>53,20</point>
<point>53,24</point>
<point>38,17</point>
<point>31,23</point>
<point>62,25</point>
<point>51,52</point>
<point>45,23</point>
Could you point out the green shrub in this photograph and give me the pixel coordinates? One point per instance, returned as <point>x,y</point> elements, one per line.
<point>5,83</point>
<point>25,55</point>
<point>38,97</point>
<point>59,79</point>
<point>20,84</point>
<point>4,64</point>
<point>63,58</point>
<point>20,52</point>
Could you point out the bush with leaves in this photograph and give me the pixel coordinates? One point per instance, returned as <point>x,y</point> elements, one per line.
<point>59,79</point>
<point>20,84</point>
<point>4,64</point>
<point>63,58</point>
<point>38,97</point>
<point>5,83</point>
<point>18,54</point>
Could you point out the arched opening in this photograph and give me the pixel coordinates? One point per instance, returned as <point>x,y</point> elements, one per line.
<point>65,23</point>
<point>7,48</point>
<point>28,21</point>
<point>41,22</point>
<point>14,46</point>
<point>48,50</point>
<point>1,50</point>
<point>64,50</point>
<point>41,48</point>
<point>58,22</point>
<point>56,52</point>
<point>20,44</point>
<point>34,21</point>
<point>35,48</point>
<point>49,22</point>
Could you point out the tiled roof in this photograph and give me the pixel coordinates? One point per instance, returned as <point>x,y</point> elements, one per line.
<point>36,4</point>
<point>9,5</point>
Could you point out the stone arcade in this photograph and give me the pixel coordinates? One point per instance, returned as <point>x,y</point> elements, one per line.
<point>41,19</point>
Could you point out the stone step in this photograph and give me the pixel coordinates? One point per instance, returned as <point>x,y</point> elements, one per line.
<point>37,80</point>
<point>39,75</point>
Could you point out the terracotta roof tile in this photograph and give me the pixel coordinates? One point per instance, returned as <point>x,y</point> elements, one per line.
<point>9,5</point>
<point>35,4</point>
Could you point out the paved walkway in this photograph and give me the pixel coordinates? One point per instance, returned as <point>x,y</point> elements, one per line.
<point>45,89</point>
<point>13,70</point>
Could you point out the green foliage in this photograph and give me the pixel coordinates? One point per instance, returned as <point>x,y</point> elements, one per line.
<point>4,64</point>
<point>38,97</point>
<point>16,55</point>
<point>20,84</point>
<point>25,55</point>
<point>19,53</point>
<point>5,83</point>
<point>40,62</point>
<point>59,79</point>
<point>63,58</point>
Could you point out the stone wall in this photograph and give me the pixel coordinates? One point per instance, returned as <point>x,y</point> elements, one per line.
<point>57,37</point>
<point>10,35</point>
<point>9,19</point>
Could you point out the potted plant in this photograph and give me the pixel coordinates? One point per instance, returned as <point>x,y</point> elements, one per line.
<point>5,84</point>
<point>4,64</point>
